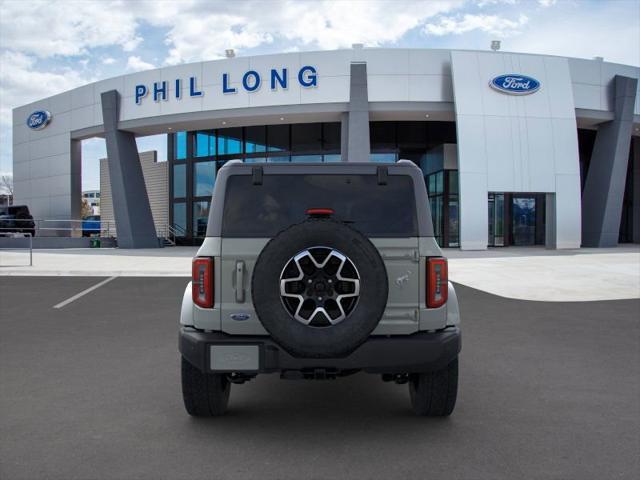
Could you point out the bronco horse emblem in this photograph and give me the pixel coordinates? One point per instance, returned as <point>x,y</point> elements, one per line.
<point>403,279</point>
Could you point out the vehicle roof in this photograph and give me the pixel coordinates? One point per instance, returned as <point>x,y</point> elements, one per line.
<point>402,167</point>
<point>319,167</point>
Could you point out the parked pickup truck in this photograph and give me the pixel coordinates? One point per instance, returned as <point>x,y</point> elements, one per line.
<point>91,225</point>
<point>16,219</point>
<point>319,271</point>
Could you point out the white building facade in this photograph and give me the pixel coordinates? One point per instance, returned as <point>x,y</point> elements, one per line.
<point>516,148</point>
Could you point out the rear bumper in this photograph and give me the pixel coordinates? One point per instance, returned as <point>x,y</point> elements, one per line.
<point>420,352</point>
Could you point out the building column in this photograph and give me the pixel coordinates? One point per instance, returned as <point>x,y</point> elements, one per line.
<point>131,209</point>
<point>550,234</point>
<point>635,205</point>
<point>357,141</point>
<point>604,187</point>
<point>474,211</point>
<point>75,157</point>
<point>344,136</point>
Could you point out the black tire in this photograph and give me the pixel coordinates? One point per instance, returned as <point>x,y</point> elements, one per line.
<point>204,394</point>
<point>433,394</point>
<point>332,341</point>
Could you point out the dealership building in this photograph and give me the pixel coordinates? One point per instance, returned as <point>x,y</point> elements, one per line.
<point>516,149</point>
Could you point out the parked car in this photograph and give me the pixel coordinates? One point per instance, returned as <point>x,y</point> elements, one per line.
<point>17,219</point>
<point>319,271</point>
<point>91,225</point>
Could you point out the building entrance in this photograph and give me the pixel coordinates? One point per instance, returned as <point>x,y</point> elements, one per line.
<point>523,224</point>
<point>516,219</point>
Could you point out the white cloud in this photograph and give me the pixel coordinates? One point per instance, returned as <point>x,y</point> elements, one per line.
<point>547,3</point>
<point>46,29</point>
<point>203,30</point>
<point>491,24</point>
<point>108,61</point>
<point>22,83</point>
<point>484,3</point>
<point>135,64</point>
<point>582,34</point>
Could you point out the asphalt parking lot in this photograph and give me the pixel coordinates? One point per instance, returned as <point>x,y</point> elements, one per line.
<point>91,391</point>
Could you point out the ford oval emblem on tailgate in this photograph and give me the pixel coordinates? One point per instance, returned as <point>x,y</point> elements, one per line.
<point>240,317</point>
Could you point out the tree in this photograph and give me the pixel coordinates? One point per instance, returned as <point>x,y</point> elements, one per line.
<point>6,184</point>
<point>86,209</point>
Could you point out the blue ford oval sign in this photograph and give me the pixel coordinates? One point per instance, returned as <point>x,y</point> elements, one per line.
<point>515,84</point>
<point>38,120</point>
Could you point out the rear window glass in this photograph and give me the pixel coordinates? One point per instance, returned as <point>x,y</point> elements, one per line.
<point>282,200</point>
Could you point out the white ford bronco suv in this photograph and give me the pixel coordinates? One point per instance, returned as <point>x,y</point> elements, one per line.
<point>318,271</point>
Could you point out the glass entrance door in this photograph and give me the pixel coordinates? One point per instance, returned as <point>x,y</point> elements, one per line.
<point>496,219</point>
<point>523,214</point>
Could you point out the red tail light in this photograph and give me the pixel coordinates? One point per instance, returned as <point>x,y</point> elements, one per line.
<point>202,282</point>
<point>320,212</point>
<point>437,282</point>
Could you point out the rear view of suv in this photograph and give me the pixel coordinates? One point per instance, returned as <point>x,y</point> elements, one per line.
<point>318,271</point>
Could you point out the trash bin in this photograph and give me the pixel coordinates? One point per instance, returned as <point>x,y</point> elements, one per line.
<point>94,243</point>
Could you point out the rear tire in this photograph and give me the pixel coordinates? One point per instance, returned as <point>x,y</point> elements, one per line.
<point>204,394</point>
<point>433,394</point>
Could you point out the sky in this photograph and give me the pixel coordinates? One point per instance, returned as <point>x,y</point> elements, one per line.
<point>47,47</point>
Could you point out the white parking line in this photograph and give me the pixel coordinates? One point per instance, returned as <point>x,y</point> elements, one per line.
<point>83,293</point>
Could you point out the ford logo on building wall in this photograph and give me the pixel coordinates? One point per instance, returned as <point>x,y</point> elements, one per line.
<point>38,120</point>
<point>515,84</point>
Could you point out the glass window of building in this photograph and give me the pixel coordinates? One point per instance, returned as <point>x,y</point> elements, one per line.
<point>383,135</point>
<point>454,227</point>
<point>279,159</point>
<point>436,217</point>
<point>412,135</point>
<point>180,145</point>
<point>205,144</point>
<point>442,187</point>
<point>331,136</point>
<point>196,157</point>
<point>306,137</point>
<point>453,182</point>
<point>306,158</point>
<point>179,180</point>
<point>200,218</point>
<point>230,141</point>
<point>278,138</point>
<point>255,139</point>
<point>440,132</point>
<point>204,176</point>
<point>383,157</point>
<point>180,216</point>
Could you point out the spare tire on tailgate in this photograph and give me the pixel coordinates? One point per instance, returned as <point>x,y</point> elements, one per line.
<point>319,288</point>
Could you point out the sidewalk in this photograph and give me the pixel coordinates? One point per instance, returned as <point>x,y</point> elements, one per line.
<point>531,273</point>
<point>522,273</point>
<point>102,262</point>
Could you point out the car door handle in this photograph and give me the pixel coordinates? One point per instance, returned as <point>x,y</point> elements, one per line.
<point>240,281</point>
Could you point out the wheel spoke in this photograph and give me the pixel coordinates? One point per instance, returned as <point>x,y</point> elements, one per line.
<point>319,288</point>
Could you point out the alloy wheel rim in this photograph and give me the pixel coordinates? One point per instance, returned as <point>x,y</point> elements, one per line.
<point>319,286</point>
